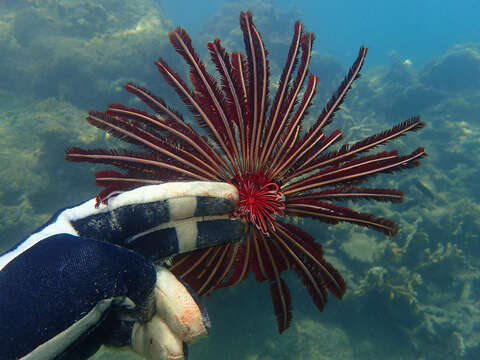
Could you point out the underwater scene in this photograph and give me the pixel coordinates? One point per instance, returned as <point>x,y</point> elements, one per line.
<point>403,283</point>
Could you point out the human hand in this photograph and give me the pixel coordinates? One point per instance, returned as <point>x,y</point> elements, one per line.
<point>70,287</point>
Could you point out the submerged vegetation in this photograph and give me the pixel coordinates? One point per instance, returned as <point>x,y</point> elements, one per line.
<point>416,293</point>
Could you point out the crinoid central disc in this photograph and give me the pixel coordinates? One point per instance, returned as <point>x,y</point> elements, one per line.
<point>260,201</point>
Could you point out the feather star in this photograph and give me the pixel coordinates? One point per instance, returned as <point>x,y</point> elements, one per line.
<point>279,169</point>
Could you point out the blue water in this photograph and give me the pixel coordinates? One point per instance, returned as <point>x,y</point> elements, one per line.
<point>416,30</point>
<point>414,296</point>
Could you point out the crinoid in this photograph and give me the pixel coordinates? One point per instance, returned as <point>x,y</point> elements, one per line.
<point>278,167</point>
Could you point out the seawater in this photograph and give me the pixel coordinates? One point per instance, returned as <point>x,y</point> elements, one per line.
<point>414,296</point>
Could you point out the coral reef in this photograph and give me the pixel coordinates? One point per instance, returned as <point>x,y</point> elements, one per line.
<point>33,185</point>
<point>417,294</point>
<point>78,51</point>
<point>462,62</point>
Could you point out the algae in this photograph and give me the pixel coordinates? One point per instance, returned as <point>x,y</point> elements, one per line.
<point>415,296</point>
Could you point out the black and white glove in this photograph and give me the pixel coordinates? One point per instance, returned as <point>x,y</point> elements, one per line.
<point>86,278</point>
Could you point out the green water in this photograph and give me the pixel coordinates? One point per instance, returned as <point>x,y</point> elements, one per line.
<point>414,296</point>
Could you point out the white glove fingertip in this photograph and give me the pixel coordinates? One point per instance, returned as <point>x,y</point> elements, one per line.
<point>155,341</point>
<point>176,305</point>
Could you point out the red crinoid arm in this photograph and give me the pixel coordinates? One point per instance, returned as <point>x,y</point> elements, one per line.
<point>336,100</point>
<point>307,164</point>
<point>188,97</point>
<point>224,268</point>
<point>288,170</point>
<point>205,269</point>
<point>352,193</point>
<point>281,298</point>
<point>213,269</point>
<point>283,87</point>
<point>234,96</point>
<point>260,264</point>
<point>189,267</point>
<point>125,159</point>
<point>259,74</point>
<point>173,123</point>
<point>307,259</point>
<point>207,93</point>
<point>283,153</point>
<point>312,252</point>
<point>157,104</point>
<point>130,132</point>
<point>282,303</point>
<point>180,136</point>
<point>241,267</point>
<point>356,171</point>
<point>142,169</point>
<point>314,134</point>
<point>333,214</point>
<point>241,83</point>
<point>288,104</point>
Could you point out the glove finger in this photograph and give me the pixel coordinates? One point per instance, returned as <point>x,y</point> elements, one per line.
<point>183,199</point>
<point>142,212</point>
<point>182,312</point>
<point>154,340</point>
<point>187,235</point>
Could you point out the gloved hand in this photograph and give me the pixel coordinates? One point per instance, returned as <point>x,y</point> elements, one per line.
<point>77,283</point>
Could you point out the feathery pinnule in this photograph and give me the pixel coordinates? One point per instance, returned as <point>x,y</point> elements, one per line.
<point>279,167</point>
